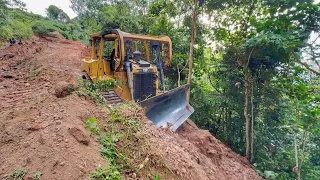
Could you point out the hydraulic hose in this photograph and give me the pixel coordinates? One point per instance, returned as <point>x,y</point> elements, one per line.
<point>127,65</point>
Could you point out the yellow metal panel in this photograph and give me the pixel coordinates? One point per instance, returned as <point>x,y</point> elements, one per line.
<point>123,93</point>
<point>110,36</point>
<point>90,66</point>
<point>93,48</point>
<point>101,66</point>
<point>123,90</point>
<point>116,47</point>
<point>94,68</point>
<point>146,37</point>
<point>122,53</point>
<point>95,35</point>
<point>147,50</point>
<point>108,68</point>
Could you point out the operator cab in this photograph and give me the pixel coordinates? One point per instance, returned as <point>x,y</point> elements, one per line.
<point>146,52</point>
<point>135,61</point>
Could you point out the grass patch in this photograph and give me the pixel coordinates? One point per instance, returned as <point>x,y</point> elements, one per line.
<point>157,177</point>
<point>36,72</point>
<point>3,44</point>
<point>37,175</point>
<point>105,85</point>
<point>17,174</point>
<point>92,125</point>
<point>111,173</point>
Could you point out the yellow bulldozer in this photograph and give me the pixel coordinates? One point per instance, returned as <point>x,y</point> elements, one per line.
<point>136,62</point>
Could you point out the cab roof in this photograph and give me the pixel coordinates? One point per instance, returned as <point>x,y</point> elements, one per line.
<point>113,34</point>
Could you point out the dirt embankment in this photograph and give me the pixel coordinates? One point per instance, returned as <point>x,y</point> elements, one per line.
<point>42,133</point>
<point>36,126</point>
<point>193,153</point>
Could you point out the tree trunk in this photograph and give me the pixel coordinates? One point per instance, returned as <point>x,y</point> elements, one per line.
<point>226,124</point>
<point>302,154</point>
<point>178,76</point>
<point>252,132</point>
<point>193,38</point>
<point>230,126</point>
<point>297,168</point>
<point>245,112</point>
<point>304,139</point>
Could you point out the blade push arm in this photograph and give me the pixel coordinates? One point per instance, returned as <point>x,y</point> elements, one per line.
<point>157,48</point>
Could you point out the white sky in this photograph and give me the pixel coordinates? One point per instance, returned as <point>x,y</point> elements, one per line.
<point>39,6</point>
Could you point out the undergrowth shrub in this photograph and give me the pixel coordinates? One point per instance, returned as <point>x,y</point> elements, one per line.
<point>17,174</point>
<point>21,30</point>
<point>15,29</point>
<point>92,125</point>
<point>22,25</point>
<point>5,32</point>
<point>43,28</point>
<point>127,148</point>
<point>106,84</point>
<point>37,175</point>
<point>111,173</point>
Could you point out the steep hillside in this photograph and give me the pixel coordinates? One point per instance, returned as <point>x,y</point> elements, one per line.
<point>22,25</point>
<point>43,134</point>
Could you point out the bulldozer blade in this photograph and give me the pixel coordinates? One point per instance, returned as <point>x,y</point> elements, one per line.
<point>169,109</point>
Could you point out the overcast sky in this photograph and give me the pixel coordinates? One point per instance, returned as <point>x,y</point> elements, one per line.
<point>39,6</point>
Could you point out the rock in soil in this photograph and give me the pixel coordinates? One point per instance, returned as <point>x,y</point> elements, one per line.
<point>63,89</point>
<point>80,136</point>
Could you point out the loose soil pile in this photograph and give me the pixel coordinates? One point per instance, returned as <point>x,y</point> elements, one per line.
<point>41,131</point>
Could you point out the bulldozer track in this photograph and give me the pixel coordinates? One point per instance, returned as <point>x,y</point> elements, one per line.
<point>110,96</point>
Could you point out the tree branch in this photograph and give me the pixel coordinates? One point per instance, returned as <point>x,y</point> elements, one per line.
<point>315,39</point>
<point>248,61</point>
<point>314,58</point>
<point>309,68</point>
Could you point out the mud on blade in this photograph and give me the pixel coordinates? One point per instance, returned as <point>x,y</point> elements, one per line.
<point>169,108</point>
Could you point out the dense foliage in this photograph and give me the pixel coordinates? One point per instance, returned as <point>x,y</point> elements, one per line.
<point>21,25</point>
<point>58,14</point>
<point>255,82</point>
